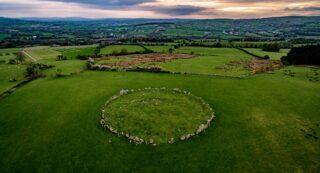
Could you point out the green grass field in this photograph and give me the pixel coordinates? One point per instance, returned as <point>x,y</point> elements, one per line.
<point>42,53</point>
<point>160,49</point>
<point>8,72</point>
<point>66,67</point>
<point>272,55</point>
<point>130,49</point>
<point>206,65</point>
<point>208,61</point>
<point>7,54</point>
<point>156,115</point>
<point>73,52</point>
<point>226,52</point>
<point>264,123</point>
<point>259,121</point>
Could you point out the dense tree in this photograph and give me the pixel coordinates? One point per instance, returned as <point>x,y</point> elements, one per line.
<point>274,47</point>
<point>61,58</point>
<point>305,55</point>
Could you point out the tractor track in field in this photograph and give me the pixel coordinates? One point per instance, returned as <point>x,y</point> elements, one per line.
<point>28,55</point>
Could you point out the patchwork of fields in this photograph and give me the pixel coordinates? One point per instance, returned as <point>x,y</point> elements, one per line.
<point>264,123</point>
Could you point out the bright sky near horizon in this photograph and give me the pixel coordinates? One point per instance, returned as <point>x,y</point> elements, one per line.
<point>197,9</point>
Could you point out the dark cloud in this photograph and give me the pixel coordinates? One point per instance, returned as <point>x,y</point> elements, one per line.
<point>179,10</point>
<point>250,1</point>
<point>304,9</point>
<point>107,3</point>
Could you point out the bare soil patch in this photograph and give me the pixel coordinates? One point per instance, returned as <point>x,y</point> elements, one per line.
<point>254,65</point>
<point>144,59</point>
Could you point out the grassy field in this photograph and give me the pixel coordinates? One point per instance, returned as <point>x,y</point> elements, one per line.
<point>8,72</point>
<point>212,61</point>
<point>73,52</point>
<point>264,123</point>
<point>42,53</point>
<point>226,52</point>
<point>260,126</point>
<point>65,67</point>
<point>272,55</point>
<point>206,65</point>
<point>156,115</point>
<point>130,49</point>
<point>160,49</point>
<point>208,61</point>
<point>7,54</point>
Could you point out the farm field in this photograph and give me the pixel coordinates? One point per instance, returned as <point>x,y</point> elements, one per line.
<point>7,54</point>
<point>73,52</point>
<point>159,49</point>
<point>272,55</point>
<point>159,86</point>
<point>42,53</point>
<point>58,128</point>
<point>208,61</point>
<point>52,124</point>
<point>8,72</point>
<point>65,67</point>
<point>227,52</point>
<point>210,65</point>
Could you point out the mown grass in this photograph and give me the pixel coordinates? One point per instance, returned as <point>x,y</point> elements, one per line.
<point>157,115</point>
<point>265,123</point>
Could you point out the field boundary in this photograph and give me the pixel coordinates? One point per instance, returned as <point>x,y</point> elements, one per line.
<point>249,53</point>
<point>14,88</point>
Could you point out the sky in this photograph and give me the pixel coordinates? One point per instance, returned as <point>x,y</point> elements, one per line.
<point>195,9</point>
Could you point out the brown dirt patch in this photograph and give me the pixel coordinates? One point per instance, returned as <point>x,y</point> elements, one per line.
<point>145,59</point>
<point>259,65</point>
<point>254,65</point>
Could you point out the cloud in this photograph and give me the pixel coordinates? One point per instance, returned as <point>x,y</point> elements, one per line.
<point>170,10</point>
<point>106,3</point>
<point>262,1</point>
<point>158,8</point>
<point>179,10</point>
<point>304,9</point>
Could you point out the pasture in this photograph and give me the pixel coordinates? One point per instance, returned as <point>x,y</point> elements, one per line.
<point>266,122</point>
<point>41,53</point>
<point>258,121</point>
<point>10,75</point>
<point>7,54</point>
<point>272,55</point>
<point>73,52</point>
<point>159,49</point>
